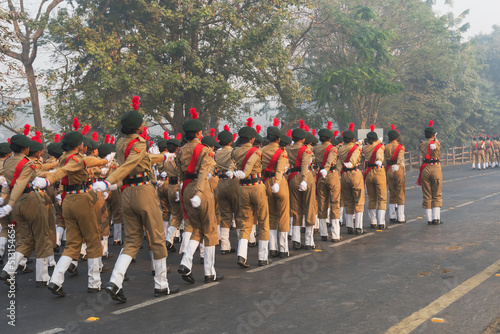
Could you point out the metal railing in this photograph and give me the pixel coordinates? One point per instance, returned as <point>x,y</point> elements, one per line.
<point>451,156</point>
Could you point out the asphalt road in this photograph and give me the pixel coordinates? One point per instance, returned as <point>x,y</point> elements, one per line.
<point>411,277</point>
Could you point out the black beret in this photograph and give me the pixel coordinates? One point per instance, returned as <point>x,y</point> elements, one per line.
<point>5,148</point>
<point>272,130</point>
<point>192,125</point>
<point>104,150</point>
<point>325,133</point>
<point>162,144</point>
<point>349,135</point>
<point>258,138</point>
<point>433,132</point>
<point>20,140</point>
<point>247,132</point>
<point>285,140</point>
<point>131,119</point>
<point>92,144</point>
<point>393,134</point>
<point>299,133</point>
<point>174,141</point>
<point>209,141</point>
<point>314,140</point>
<point>309,138</point>
<point>225,136</point>
<point>334,142</point>
<point>372,135</point>
<point>55,149</point>
<point>72,139</point>
<point>35,146</point>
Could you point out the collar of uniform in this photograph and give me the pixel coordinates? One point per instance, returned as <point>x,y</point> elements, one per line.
<point>273,144</point>
<point>225,148</point>
<point>297,144</point>
<point>19,154</point>
<point>246,145</point>
<point>135,135</point>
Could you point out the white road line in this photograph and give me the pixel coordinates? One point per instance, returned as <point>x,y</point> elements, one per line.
<point>52,331</point>
<point>485,197</point>
<point>348,241</point>
<point>162,299</point>
<point>278,263</point>
<point>464,204</point>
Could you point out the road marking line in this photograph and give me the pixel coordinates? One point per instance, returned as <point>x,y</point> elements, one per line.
<point>464,204</point>
<point>162,299</point>
<point>485,197</point>
<point>52,331</point>
<point>278,263</point>
<point>417,318</point>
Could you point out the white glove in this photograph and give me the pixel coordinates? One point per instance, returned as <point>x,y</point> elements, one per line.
<point>230,174</point>
<point>177,198</point>
<point>104,171</point>
<point>169,157</point>
<point>1,200</point>
<point>110,157</point>
<point>275,188</point>
<point>113,187</point>
<point>59,199</point>
<point>239,174</point>
<point>105,194</point>
<point>101,186</point>
<point>395,168</point>
<point>378,163</point>
<point>303,186</point>
<point>195,201</point>
<point>2,180</point>
<point>163,174</point>
<point>209,176</point>
<point>323,172</point>
<point>40,183</point>
<point>433,146</point>
<point>5,184</point>
<point>5,210</point>
<point>348,165</point>
<point>159,184</point>
<point>359,142</point>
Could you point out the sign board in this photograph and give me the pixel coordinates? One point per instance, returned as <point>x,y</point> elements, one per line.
<point>363,132</point>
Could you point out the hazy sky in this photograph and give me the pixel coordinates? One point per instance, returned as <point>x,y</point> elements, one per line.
<point>483,14</point>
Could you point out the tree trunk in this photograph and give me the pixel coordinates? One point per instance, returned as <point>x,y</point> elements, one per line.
<point>35,103</point>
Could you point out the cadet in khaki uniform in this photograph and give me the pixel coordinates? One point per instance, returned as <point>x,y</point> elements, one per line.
<point>395,169</point>
<point>252,196</point>
<point>302,186</point>
<point>28,209</point>
<point>375,179</point>
<point>195,161</point>
<point>351,181</point>
<point>474,149</point>
<point>490,152</point>
<point>5,152</point>
<point>481,154</point>
<point>55,151</point>
<point>162,187</point>
<point>431,176</point>
<point>496,145</point>
<point>140,206</point>
<point>274,162</point>
<point>328,185</point>
<point>226,194</point>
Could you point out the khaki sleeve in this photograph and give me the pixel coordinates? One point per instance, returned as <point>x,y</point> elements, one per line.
<point>280,166</point>
<point>71,166</point>
<point>401,157</point>
<point>21,183</point>
<point>137,153</point>
<point>256,156</point>
<point>50,165</point>
<point>380,154</point>
<point>332,157</point>
<point>94,162</point>
<point>178,164</point>
<point>355,157</point>
<point>304,166</point>
<point>156,158</point>
<point>207,165</point>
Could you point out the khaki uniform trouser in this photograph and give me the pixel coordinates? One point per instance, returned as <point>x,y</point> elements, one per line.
<point>114,204</point>
<point>254,208</point>
<point>32,231</point>
<point>328,189</point>
<point>174,207</point>
<point>481,156</point>
<point>163,197</point>
<point>279,206</point>
<point>474,156</point>
<point>496,155</point>
<point>229,202</point>
<point>353,191</point>
<point>141,210</point>
<point>201,219</point>
<point>81,224</point>
<point>50,218</point>
<point>397,183</point>
<point>187,226</point>
<point>101,212</point>
<point>5,221</point>
<point>376,187</point>
<point>303,203</point>
<point>432,187</point>
<point>490,155</point>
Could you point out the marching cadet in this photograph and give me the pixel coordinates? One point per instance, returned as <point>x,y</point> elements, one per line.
<point>55,151</point>
<point>140,206</point>
<point>27,208</point>
<point>474,149</point>
<point>395,169</point>
<point>252,196</point>
<point>496,145</point>
<point>274,162</point>
<point>351,182</point>
<point>5,153</point>
<point>490,152</point>
<point>302,189</point>
<point>162,187</point>
<point>195,161</point>
<point>481,156</point>
<point>225,191</point>
<point>328,184</point>
<point>375,179</point>
<point>285,141</point>
<point>431,176</point>
<point>340,142</point>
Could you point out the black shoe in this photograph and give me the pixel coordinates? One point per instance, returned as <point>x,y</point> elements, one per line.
<point>264,262</point>
<point>117,243</point>
<point>56,289</point>
<point>302,230</point>
<point>436,222</point>
<point>392,221</point>
<point>170,247</point>
<point>358,231</point>
<point>152,272</point>
<point>296,245</point>
<point>273,253</point>
<point>115,293</point>
<point>73,269</point>
<point>177,239</point>
<point>24,269</point>
<point>109,256</point>
<point>381,227</point>
<point>202,260</point>
<point>338,240</point>
<point>168,291</point>
<point>252,244</point>
<point>430,223</point>
<point>225,252</point>
<point>324,238</point>
<point>283,255</point>
<point>350,230</point>
<point>56,250</point>
<point>105,269</point>
<point>186,274</point>
<point>41,284</point>
<point>308,247</point>
<point>242,262</point>
<point>94,290</point>
<point>212,278</point>
<point>401,222</point>
<point>5,277</point>
<point>373,225</point>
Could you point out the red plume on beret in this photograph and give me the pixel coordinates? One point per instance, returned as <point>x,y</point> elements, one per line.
<point>342,133</point>
<point>474,136</point>
<point>106,140</point>
<point>289,133</point>
<point>212,132</point>
<point>165,135</point>
<point>179,136</point>
<point>335,133</point>
<point>226,128</point>
<point>150,143</point>
<point>56,138</point>
<point>431,124</point>
<point>62,136</point>
<point>276,122</point>
<point>306,128</point>
<point>314,132</point>
<point>258,128</point>
<point>301,124</point>
<point>372,127</point>
<point>144,133</point>
<point>135,102</point>
<point>95,136</point>
<point>76,124</point>
<point>8,140</point>
<point>26,130</point>
<point>249,121</point>
<point>85,130</point>
<point>351,127</point>
<point>329,125</point>
<point>393,127</point>
<point>112,141</point>
<point>234,136</point>
<point>194,114</point>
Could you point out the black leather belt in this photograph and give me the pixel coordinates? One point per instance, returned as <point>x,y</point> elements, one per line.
<point>430,161</point>
<point>392,162</point>
<point>173,180</point>
<point>75,187</point>
<point>333,169</point>
<point>269,174</point>
<point>345,169</point>
<point>28,190</point>
<point>191,176</point>
<point>372,165</point>
<point>136,180</point>
<point>250,181</point>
